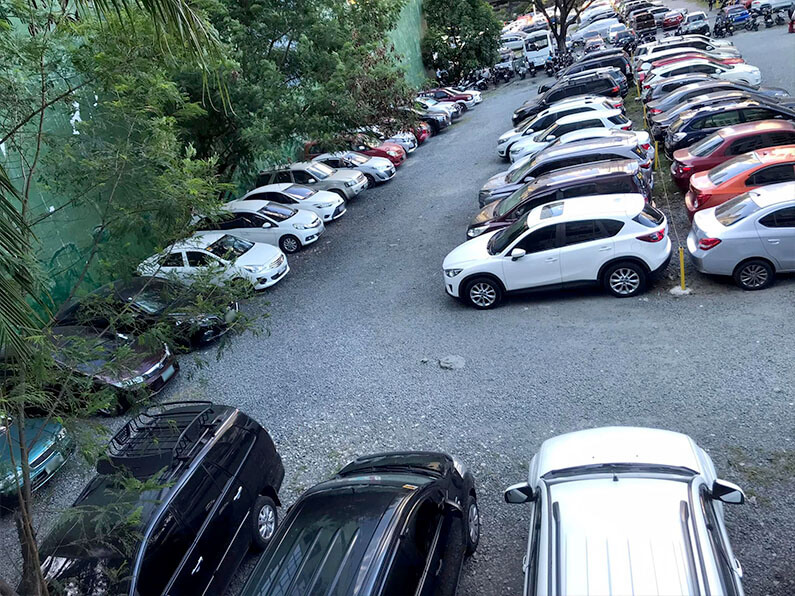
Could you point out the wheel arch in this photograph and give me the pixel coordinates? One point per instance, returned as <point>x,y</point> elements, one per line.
<point>472,276</point>
<point>748,259</point>
<point>269,491</point>
<point>617,260</point>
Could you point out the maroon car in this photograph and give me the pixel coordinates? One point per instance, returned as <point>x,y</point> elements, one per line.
<point>133,371</point>
<point>465,100</point>
<point>727,143</point>
<point>673,19</point>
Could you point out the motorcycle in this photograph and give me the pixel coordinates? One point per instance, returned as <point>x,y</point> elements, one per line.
<point>532,70</point>
<point>719,29</point>
<point>752,24</point>
<point>781,18</point>
<point>549,66</point>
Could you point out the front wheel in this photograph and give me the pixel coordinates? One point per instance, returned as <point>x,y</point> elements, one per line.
<point>370,181</point>
<point>625,280</point>
<point>472,517</point>
<point>264,520</point>
<point>289,244</point>
<point>463,107</point>
<point>754,275</point>
<point>482,293</point>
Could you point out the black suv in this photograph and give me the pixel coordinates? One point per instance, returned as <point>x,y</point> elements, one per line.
<point>590,84</point>
<point>184,490</point>
<point>694,125</point>
<point>617,60</point>
<point>598,178</point>
<point>392,524</point>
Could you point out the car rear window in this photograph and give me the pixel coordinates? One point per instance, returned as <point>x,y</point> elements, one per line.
<point>278,212</point>
<point>707,145</point>
<point>733,167</point>
<point>649,216</point>
<point>618,119</point>
<point>736,209</point>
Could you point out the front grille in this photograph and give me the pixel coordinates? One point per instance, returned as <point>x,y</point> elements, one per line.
<point>277,262</point>
<point>360,177</point>
<point>44,456</point>
<point>339,209</point>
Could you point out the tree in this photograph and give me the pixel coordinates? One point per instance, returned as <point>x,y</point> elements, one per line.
<point>560,14</point>
<point>462,36</point>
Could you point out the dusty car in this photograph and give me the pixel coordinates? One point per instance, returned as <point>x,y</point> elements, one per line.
<point>345,183</point>
<point>377,170</point>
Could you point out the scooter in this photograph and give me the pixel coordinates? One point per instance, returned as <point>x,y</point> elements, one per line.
<point>752,24</point>
<point>781,19</point>
<point>532,70</point>
<point>767,16</point>
<point>719,29</point>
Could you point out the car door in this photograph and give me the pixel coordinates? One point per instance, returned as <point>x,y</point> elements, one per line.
<point>784,172</point>
<point>254,227</point>
<point>200,263</point>
<point>173,265</point>
<point>755,114</point>
<point>777,231</point>
<point>584,249</point>
<point>540,266</point>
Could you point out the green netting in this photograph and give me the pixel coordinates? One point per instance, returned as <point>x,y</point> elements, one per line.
<point>406,38</point>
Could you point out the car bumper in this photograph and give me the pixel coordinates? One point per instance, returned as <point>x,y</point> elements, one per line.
<point>167,370</point>
<point>681,179</point>
<point>451,284</point>
<point>384,175</point>
<point>310,236</point>
<point>713,261</point>
<point>271,277</point>
<point>691,209</point>
<point>332,213</point>
<point>658,271</point>
<point>502,150</point>
<point>353,191</point>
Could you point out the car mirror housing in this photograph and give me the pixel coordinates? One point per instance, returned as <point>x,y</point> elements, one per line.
<point>519,493</point>
<point>543,88</point>
<point>454,508</point>
<point>727,492</point>
<point>517,253</point>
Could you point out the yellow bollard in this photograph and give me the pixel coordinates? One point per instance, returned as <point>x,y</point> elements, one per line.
<point>656,156</point>
<point>682,267</point>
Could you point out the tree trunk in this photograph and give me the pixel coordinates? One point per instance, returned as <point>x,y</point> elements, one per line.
<point>6,589</point>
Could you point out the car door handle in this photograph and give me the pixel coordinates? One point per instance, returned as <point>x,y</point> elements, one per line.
<point>551,259</point>
<point>773,240</point>
<point>604,248</point>
<point>198,566</point>
<point>238,493</point>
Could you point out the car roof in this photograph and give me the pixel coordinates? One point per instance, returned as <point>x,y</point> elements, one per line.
<point>245,206</point>
<point>773,194</point>
<point>753,128</point>
<point>595,206</point>
<point>582,100</point>
<point>278,187</point>
<point>775,154</point>
<point>199,240</point>
<point>300,165</point>
<point>618,445</point>
<point>730,106</point>
<point>582,173</point>
<point>594,143</point>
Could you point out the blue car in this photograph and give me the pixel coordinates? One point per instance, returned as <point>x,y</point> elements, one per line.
<point>49,446</point>
<point>737,13</point>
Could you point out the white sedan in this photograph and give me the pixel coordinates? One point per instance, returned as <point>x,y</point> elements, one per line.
<point>218,258</point>
<point>737,73</point>
<point>326,204</point>
<point>262,221</point>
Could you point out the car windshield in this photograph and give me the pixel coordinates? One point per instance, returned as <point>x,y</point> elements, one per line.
<point>519,173</point>
<point>299,192</point>
<point>320,170</point>
<point>517,198</point>
<point>230,247</point>
<point>696,17</point>
<point>503,239</point>
<point>733,167</point>
<point>149,302</point>
<point>357,158</point>
<point>430,101</point>
<point>736,209</point>
<point>707,145</point>
<point>277,212</point>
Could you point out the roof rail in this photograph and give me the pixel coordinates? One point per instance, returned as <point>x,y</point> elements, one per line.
<point>157,438</point>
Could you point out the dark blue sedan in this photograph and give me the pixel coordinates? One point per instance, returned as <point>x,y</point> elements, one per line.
<point>737,13</point>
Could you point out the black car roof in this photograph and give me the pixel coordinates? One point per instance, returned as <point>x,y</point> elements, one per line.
<point>746,103</point>
<point>578,146</point>
<point>581,174</point>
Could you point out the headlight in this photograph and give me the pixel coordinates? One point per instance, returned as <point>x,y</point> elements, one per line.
<point>60,435</point>
<point>476,231</point>
<point>323,205</point>
<point>392,153</point>
<point>301,226</point>
<point>452,272</point>
<point>132,382</point>
<point>502,141</point>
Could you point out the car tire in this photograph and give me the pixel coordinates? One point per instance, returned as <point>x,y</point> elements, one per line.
<point>463,107</point>
<point>753,275</point>
<point>339,193</point>
<point>264,520</point>
<point>289,244</point>
<point>472,525</point>
<point>370,181</point>
<point>482,292</point>
<point>625,279</point>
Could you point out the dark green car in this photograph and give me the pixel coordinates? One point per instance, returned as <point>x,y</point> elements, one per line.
<point>49,446</point>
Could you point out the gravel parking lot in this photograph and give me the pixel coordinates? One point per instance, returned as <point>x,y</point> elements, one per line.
<point>349,360</point>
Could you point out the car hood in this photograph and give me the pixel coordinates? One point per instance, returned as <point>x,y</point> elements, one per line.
<point>88,575</point>
<point>532,104</point>
<point>302,216</point>
<point>259,254</point>
<point>387,146</point>
<point>39,435</point>
<point>496,181</point>
<point>469,252</point>
<point>345,175</point>
<point>486,214</point>
<point>320,196</point>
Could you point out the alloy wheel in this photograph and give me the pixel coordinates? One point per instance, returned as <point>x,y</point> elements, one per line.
<point>290,244</point>
<point>474,522</point>
<point>753,276</point>
<point>483,294</point>
<point>266,522</point>
<point>624,281</point>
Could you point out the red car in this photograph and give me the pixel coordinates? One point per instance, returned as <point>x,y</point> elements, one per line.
<point>727,143</point>
<point>465,100</point>
<point>363,144</point>
<point>422,131</point>
<point>694,55</point>
<point>673,19</point>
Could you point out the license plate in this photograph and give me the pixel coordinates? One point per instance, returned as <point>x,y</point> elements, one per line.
<point>168,373</point>
<point>54,463</point>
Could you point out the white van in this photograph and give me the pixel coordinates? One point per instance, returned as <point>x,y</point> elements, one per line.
<point>537,47</point>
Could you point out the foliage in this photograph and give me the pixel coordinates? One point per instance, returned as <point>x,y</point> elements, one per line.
<point>462,36</point>
<point>560,14</point>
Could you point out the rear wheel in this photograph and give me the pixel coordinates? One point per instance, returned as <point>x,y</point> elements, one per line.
<point>472,517</point>
<point>624,280</point>
<point>264,520</point>
<point>482,293</point>
<point>755,274</point>
<point>289,244</point>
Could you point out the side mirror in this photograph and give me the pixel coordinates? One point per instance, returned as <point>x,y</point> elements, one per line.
<point>727,492</point>
<point>543,88</point>
<point>311,181</point>
<point>550,138</point>
<point>517,253</point>
<point>267,224</point>
<point>519,493</point>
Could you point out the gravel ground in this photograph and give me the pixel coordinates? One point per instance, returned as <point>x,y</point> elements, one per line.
<point>349,364</point>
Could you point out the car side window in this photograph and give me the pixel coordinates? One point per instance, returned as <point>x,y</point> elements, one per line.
<point>174,259</point>
<point>607,228</point>
<point>581,190</point>
<point>259,196</point>
<point>282,177</point>
<point>596,123</point>
<point>754,114</point>
<point>771,175</point>
<point>199,259</point>
<point>264,178</point>
<point>302,177</point>
<point>252,220</point>
<point>167,545</point>
<point>741,146</point>
<point>232,222</point>
<point>783,218</point>
<point>577,232</point>
<point>780,138</point>
<point>539,240</point>
<point>230,450</point>
<point>721,119</point>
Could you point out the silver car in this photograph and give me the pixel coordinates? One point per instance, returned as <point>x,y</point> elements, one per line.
<point>345,183</point>
<point>376,169</point>
<point>623,510</point>
<point>750,237</point>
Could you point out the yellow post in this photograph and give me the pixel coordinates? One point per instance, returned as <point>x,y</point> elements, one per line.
<point>656,156</point>
<point>682,267</point>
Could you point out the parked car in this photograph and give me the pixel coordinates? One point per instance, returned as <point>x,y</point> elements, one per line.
<point>659,12</point>
<point>345,183</point>
<point>695,41</point>
<point>535,144</point>
<point>660,122</point>
<point>133,306</point>
<point>684,93</point>
<point>386,524</point>
<point>437,121</point>
<point>694,126</point>
<point>600,28</point>
<point>644,23</point>
<point>91,359</point>
<point>216,476</point>
<point>327,205</point>
<point>269,223</point>
<point>587,107</point>
<point>774,4</point>
<point>619,61</point>
<point>657,88</point>
<point>647,67</point>
<point>672,19</point>
<point>616,75</point>
<point>745,172</point>
<point>685,47</point>
<point>578,153</point>
<point>477,96</point>
<point>592,85</point>
<point>694,22</point>
<point>444,94</point>
<point>406,140</point>
<point>613,32</point>
<point>727,143</point>
<point>750,237</point>
<point>653,492</point>
<point>740,73</point>
<point>616,241</point>
<point>429,104</point>
<point>370,145</point>
<point>376,170</point>
<point>620,176</point>
<point>736,13</point>
<point>219,258</point>
<point>48,445</point>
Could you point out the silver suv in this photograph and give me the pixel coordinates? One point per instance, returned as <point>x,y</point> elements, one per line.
<point>624,510</point>
<point>346,183</point>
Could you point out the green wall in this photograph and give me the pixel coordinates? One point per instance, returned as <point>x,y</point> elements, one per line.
<point>406,38</point>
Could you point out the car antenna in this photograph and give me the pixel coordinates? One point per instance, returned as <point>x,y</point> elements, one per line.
<point>615,477</point>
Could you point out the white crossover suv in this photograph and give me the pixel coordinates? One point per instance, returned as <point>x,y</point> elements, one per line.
<point>618,241</point>
<point>624,510</point>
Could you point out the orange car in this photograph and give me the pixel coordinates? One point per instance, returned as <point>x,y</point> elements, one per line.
<point>734,177</point>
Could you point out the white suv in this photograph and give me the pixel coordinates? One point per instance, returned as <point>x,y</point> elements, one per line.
<point>623,510</point>
<point>615,240</point>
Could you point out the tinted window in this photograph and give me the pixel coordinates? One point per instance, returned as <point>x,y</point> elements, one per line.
<point>278,212</point>
<point>745,145</point>
<point>196,499</point>
<point>783,218</point>
<point>233,222</point>
<point>173,260</point>
<point>540,240</point>
<point>167,545</point>
<point>780,173</point>
<point>721,119</point>
<point>609,227</point>
<point>779,138</point>
<point>413,550</point>
<point>735,209</point>
<point>618,119</point>
<point>282,177</point>
<point>616,185</point>
<point>580,231</point>
<point>733,167</point>
<point>230,450</point>
<point>199,259</point>
<point>302,177</point>
<point>581,190</point>
<point>754,114</point>
<point>230,247</point>
<point>649,216</point>
<point>299,192</point>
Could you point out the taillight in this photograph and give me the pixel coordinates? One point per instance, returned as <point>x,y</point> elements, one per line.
<point>646,146</point>
<point>615,89</point>
<point>627,126</point>
<point>653,237</point>
<point>707,243</point>
<point>646,164</point>
<point>655,111</point>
